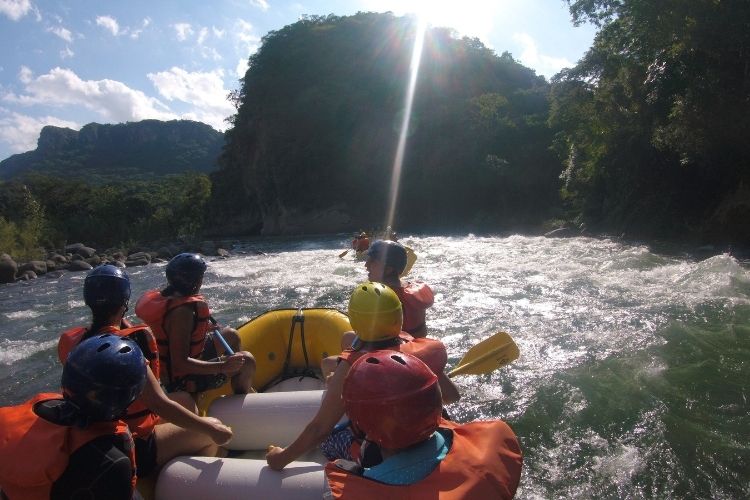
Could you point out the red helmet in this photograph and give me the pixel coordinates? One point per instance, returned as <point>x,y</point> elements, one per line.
<point>393,397</point>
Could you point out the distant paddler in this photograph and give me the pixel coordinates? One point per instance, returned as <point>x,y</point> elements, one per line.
<point>361,242</point>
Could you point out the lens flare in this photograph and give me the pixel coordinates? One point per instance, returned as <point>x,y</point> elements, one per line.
<point>416,57</point>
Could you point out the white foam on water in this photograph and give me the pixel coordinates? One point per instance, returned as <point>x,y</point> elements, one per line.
<point>15,350</point>
<point>27,314</point>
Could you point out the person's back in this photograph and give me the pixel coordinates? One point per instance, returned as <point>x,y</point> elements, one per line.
<point>73,445</point>
<point>394,399</point>
<point>162,427</point>
<point>189,346</point>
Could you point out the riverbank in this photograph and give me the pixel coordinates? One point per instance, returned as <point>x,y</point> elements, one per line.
<point>81,257</point>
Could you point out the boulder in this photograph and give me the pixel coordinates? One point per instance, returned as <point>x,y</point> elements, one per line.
<point>51,265</point>
<point>8,269</point>
<point>222,253</point>
<point>139,256</point>
<point>94,260</point>
<point>27,275</point>
<point>39,267</point>
<point>140,261</point>
<point>81,250</point>
<point>207,248</point>
<point>164,253</point>
<point>79,265</point>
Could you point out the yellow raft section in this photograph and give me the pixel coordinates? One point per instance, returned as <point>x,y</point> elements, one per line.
<point>267,338</point>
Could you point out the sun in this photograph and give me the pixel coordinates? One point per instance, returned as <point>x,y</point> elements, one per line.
<point>473,18</point>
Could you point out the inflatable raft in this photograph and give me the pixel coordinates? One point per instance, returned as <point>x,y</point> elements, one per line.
<point>288,345</point>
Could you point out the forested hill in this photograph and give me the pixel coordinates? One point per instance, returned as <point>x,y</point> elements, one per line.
<point>319,115</point>
<point>142,150</point>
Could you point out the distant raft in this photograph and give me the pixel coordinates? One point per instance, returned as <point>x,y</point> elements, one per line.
<point>288,345</point>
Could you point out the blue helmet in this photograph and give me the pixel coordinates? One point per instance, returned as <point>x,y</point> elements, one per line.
<point>103,375</point>
<point>106,285</point>
<point>185,272</point>
<point>392,253</point>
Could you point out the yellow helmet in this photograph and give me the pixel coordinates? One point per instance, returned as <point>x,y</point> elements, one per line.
<point>375,312</point>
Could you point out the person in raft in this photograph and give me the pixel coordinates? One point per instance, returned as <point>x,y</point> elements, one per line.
<point>361,242</point>
<point>386,260</point>
<point>188,345</point>
<point>394,399</point>
<point>375,315</point>
<point>73,445</point>
<point>163,427</point>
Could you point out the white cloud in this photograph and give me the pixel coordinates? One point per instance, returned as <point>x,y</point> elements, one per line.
<point>204,91</point>
<point>261,4</point>
<point>25,75</point>
<point>66,53</point>
<point>20,132</point>
<point>202,34</point>
<point>15,9</point>
<point>135,33</point>
<point>241,68</point>
<point>62,33</point>
<point>112,100</point>
<point>530,56</point>
<point>183,30</point>
<point>249,42</point>
<point>109,23</point>
<point>218,33</point>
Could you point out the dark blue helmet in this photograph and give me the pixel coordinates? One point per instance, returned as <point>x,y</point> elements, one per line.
<point>103,376</point>
<point>185,272</point>
<point>392,253</point>
<point>106,285</point>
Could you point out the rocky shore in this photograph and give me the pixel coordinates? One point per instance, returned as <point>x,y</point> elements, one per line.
<point>79,257</point>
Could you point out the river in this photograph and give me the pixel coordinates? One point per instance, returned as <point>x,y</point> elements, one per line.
<point>634,370</point>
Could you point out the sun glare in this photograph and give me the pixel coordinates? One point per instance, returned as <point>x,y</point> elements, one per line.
<point>472,18</point>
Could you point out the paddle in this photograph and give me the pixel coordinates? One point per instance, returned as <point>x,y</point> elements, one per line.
<point>341,255</point>
<point>488,355</point>
<point>219,336</point>
<point>411,258</point>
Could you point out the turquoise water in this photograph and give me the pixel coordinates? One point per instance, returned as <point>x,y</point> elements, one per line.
<point>633,377</point>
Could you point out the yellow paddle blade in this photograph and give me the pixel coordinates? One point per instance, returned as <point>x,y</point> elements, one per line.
<point>488,355</point>
<point>411,258</point>
<point>341,255</point>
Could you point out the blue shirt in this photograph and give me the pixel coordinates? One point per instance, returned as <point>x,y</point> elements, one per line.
<point>413,464</point>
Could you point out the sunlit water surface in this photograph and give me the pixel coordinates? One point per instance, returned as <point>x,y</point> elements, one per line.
<point>633,377</point>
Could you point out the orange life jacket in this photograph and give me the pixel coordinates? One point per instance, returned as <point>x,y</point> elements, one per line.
<point>153,308</point>
<point>484,461</point>
<point>360,244</point>
<point>35,452</point>
<point>140,419</point>
<point>431,351</point>
<point>415,299</point>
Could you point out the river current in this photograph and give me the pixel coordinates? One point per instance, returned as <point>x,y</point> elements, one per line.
<point>634,370</point>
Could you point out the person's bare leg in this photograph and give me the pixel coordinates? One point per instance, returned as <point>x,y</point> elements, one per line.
<point>242,382</point>
<point>184,399</point>
<point>173,441</point>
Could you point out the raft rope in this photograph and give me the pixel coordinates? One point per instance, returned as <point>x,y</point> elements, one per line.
<point>306,372</point>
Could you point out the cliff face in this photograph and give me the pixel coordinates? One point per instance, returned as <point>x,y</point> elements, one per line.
<point>138,150</point>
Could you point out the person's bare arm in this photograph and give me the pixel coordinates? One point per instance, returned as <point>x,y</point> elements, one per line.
<point>179,327</point>
<point>330,412</point>
<point>448,388</point>
<point>158,402</point>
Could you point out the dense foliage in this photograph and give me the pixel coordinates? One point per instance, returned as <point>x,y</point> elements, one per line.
<point>49,212</point>
<point>654,120</point>
<point>319,114</point>
<point>144,150</point>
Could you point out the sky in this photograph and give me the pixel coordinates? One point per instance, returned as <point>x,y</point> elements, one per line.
<point>69,63</point>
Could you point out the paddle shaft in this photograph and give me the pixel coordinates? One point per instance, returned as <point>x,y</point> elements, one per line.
<point>224,343</point>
